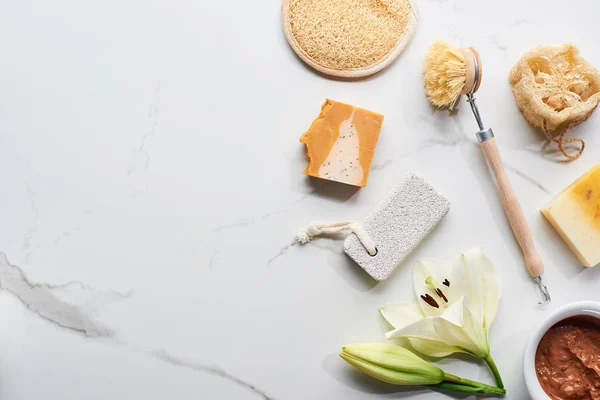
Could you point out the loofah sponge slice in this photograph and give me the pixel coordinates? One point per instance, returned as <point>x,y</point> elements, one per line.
<point>348,38</point>
<point>556,89</point>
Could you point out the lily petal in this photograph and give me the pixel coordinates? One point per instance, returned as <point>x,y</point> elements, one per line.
<point>400,315</point>
<point>461,280</point>
<point>491,288</point>
<point>422,329</point>
<point>438,272</point>
<point>433,348</point>
<point>424,338</point>
<point>457,327</point>
<point>474,276</point>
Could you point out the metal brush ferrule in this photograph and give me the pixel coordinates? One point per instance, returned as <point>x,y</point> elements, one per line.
<point>483,134</point>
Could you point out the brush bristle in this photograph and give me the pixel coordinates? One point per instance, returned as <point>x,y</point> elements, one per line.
<point>445,74</point>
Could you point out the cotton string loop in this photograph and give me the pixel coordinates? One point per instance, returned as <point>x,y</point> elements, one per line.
<point>319,228</point>
<point>561,141</point>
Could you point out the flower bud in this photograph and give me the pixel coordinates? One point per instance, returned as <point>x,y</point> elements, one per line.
<point>392,364</point>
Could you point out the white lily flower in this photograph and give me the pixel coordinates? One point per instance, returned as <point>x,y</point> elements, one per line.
<point>457,303</point>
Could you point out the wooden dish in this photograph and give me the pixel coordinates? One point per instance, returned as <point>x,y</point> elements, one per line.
<point>350,72</point>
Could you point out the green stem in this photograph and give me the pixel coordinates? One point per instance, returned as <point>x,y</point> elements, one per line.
<point>490,362</point>
<point>469,385</point>
<point>457,387</point>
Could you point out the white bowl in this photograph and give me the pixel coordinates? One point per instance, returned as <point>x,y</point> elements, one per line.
<point>590,308</point>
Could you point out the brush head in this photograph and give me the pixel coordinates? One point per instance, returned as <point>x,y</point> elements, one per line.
<point>450,72</point>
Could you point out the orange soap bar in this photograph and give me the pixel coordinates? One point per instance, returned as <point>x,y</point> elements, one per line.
<point>340,143</point>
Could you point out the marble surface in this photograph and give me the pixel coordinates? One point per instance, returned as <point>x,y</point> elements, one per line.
<point>152,185</point>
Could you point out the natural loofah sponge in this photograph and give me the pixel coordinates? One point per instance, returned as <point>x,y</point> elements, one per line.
<point>556,89</point>
<point>348,38</point>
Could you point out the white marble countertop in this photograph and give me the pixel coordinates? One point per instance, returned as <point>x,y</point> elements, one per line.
<point>152,185</point>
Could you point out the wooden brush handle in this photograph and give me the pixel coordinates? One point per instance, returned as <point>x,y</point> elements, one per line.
<point>513,210</point>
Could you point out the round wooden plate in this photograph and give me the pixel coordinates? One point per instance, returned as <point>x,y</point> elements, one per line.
<point>350,72</point>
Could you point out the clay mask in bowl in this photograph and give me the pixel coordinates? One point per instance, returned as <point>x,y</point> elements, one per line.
<point>562,358</point>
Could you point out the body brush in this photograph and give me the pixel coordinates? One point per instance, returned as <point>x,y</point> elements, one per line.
<point>450,73</point>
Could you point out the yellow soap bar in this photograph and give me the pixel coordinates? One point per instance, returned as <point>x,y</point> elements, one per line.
<point>340,143</point>
<point>575,214</point>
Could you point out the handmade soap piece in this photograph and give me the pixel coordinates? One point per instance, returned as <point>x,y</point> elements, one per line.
<point>397,225</point>
<point>340,143</point>
<point>575,214</point>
